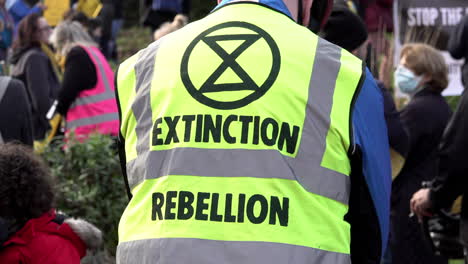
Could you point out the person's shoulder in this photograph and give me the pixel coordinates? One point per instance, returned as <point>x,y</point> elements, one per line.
<point>15,86</point>
<point>15,83</point>
<point>368,107</point>
<point>428,100</point>
<point>77,52</point>
<point>369,90</point>
<point>36,54</point>
<point>426,107</point>
<point>12,254</point>
<point>57,242</point>
<point>55,247</point>
<point>417,106</point>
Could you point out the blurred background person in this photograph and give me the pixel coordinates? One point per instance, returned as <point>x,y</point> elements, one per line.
<point>9,3</point>
<point>34,64</point>
<point>161,11</point>
<point>451,180</point>
<point>22,8</point>
<point>106,16</point>
<point>423,75</point>
<point>117,24</point>
<point>6,31</point>
<point>30,229</point>
<point>347,30</point>
<point>103,12</point>
<point>92,25</point>
<point>87,97</point>
<point>167,27</point>
<point>15,112</point>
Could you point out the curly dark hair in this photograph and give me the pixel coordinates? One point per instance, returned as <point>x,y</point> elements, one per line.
<point>27,33</point>
<point>26,186</point>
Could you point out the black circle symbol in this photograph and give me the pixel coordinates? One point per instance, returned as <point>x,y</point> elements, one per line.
<point>229,61</point>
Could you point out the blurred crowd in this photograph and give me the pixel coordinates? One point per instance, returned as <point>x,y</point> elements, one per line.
<point>58,70</point>
<point>427,139</point>
<point>62,73</point>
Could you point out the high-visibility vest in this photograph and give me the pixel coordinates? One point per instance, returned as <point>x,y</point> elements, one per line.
<point>95,110</point>
<point>237,132</point>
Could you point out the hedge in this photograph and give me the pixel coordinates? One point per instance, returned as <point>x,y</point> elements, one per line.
<point>90,184</point>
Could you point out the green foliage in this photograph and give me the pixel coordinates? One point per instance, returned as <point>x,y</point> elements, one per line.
<point>452,101</point>
<point>89,183</point>
<point>134,37</point>
<point>131,40</point>
<point>201,8</point>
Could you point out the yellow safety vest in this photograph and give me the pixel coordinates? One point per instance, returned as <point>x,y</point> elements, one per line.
<point>237,133</point>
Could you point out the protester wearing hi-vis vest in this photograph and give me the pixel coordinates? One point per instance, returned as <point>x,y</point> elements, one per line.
<point>246,138</point>
<point>87,98</point>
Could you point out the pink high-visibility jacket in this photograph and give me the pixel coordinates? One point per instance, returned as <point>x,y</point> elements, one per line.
<point>95,110</point>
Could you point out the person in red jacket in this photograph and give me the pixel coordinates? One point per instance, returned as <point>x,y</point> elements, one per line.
<point>31,232</point>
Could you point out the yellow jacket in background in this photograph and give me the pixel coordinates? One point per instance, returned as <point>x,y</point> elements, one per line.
<point>90,8</point>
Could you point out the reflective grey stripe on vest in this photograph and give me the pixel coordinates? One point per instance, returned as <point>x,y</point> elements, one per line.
<point>94,120</point>
<point>4,81</point>
<point>141,107</point>
<point>200,251</point>
<point>108,94</point>
<point>307,164</point>
<point>305,167</point>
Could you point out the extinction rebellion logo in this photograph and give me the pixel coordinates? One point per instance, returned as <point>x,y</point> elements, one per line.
<point>207,83</point>
<point>227,67</point>
<point>206,93</point>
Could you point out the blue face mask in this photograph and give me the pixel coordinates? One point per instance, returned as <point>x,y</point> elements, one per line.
<point>406,80</point>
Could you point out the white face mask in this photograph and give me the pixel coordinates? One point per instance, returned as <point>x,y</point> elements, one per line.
<point>407,81</point>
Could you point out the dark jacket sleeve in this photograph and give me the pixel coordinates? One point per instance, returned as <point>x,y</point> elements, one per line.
<point>26,134</point>
<point>458,39</point>
<point>411,117</point>
<point>369,205</point>
<point>451,180</point>
<point>397,135</point>
<point>36,74</point>
<point>16,120</point>
<point>80,74</point>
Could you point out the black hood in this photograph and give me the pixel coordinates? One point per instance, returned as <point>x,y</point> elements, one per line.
<point>17,55</point>
<point>20,58</point>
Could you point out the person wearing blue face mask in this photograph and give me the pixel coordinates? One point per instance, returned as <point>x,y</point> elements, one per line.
<point>423,75</point>
<point>407,81</point>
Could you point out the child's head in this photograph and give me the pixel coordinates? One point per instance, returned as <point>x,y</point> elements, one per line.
<point>26,189</point>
